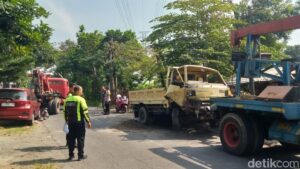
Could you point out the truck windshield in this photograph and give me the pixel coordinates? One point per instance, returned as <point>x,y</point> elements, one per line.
<point>13,94</point>
<point>205,77</point>
<point>56,82</point>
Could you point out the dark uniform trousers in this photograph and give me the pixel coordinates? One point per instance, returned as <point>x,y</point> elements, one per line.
<point>76,132</point>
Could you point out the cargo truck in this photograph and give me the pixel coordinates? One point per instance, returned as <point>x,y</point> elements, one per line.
<point>185,99</point>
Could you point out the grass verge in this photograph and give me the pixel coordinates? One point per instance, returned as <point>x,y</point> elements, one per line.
<point>14,128</point>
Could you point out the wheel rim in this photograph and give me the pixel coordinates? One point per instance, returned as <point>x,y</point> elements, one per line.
<point>231,134</point>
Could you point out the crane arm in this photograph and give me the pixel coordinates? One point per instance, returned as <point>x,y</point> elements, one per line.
<point>281,25</point>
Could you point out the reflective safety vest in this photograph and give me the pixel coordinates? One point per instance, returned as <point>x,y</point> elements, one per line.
<point>76,110</point>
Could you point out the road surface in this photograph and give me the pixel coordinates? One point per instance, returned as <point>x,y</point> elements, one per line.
<point>117,141</point>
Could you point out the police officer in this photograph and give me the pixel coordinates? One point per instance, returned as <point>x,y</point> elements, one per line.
<point>76,112</point>
<point>71,88</point>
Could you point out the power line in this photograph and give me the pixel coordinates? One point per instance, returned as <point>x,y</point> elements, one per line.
<point>120,11</point>
<point>129,13</point>
<point>126,11</point>
<point>123,7</point>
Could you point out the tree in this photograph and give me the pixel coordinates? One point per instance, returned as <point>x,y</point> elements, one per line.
<point>293,51</point>
<point>18,36</point>
<point>257,11</point>
<point>82,62</point>
<point>124,56</point>
<point>116,58</point>
<point>197,33</point>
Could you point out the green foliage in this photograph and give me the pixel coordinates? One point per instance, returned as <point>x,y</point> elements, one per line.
<point>293,51</point>
<point>257,11</point>
<point>116,58</point>
<point>197,33</point>
<point>19,37</point>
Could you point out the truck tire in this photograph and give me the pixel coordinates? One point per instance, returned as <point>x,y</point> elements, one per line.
<point>54,107</point>
<point>176,118</point>
<point>50,107</point>
<point>236,133</point>
<point>258,136</point>
<point>144,116</point>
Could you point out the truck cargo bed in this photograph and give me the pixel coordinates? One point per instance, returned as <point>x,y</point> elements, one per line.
<point>290,110</point>
<point>148,96</point>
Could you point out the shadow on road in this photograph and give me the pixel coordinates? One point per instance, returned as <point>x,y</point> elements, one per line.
<point>208,154</point>
<point>12,124</point>
<point>214,156</point>
<point>40,161</point>
<point>42,148</point>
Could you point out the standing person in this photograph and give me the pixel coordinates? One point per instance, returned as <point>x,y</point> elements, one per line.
<point>103,91</point>
<point>76,113</point>
<point>106,99</point>
<point>71,91</point>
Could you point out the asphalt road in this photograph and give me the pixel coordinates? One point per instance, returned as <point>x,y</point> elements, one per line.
<point>119,142</point>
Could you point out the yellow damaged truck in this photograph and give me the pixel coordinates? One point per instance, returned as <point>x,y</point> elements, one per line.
<point>185,99</point>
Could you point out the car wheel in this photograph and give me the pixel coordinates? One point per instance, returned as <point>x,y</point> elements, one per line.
<point>31,121</point>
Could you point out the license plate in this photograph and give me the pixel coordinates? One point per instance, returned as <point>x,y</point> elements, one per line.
<point>7,104</point>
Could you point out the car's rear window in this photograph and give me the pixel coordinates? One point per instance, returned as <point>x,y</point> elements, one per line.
<point>13,94</point>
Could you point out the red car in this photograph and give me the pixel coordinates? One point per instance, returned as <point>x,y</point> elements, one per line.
<point>19,104</point>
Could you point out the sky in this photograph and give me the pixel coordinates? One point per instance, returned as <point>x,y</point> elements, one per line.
<point>67,15</point>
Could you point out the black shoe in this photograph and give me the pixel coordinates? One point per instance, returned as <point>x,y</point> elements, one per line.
<point>82,157</point>
<point>70,158</point>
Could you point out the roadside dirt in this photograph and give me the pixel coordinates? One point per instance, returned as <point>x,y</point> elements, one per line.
<point>21,146</point>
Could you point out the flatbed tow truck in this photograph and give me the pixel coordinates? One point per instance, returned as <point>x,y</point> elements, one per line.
<point>245,122</point>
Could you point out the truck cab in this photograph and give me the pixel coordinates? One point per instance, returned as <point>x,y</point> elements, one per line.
<point>59,86</point>
<point>190,88</point>
<point>192,83</point>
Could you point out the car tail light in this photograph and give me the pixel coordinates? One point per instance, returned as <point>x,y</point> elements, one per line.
<point>24,104</point>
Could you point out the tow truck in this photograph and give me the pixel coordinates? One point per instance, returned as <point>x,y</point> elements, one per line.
<point>274,114</point>
<point>51,91</point>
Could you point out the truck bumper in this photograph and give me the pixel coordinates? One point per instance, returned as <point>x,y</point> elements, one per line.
<point>285,131</point>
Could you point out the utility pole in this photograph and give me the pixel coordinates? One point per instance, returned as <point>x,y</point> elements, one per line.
<point>112,72</point>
